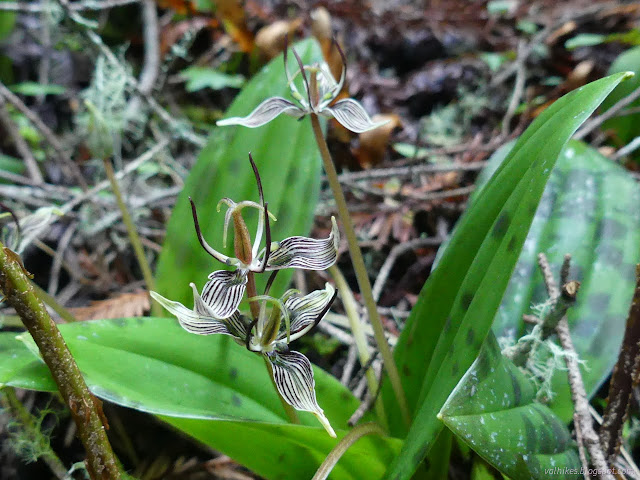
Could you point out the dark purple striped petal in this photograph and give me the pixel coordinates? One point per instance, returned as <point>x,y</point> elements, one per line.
<point>224,291</point>
<point>294,379</point>
<point>264,113</point>
<point>352,116</point>
<point>305,310</point>
<point>191,320</point>
<point>305,253</point>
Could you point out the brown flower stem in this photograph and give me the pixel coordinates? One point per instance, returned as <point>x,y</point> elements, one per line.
<point>85,408</point>
<point>26,421</point>
<point>255,312</point>
<point>361,271</point>
<point>340,449</point>
<point>156,309</point>
<point>289,410</point>
<point>252,292</point>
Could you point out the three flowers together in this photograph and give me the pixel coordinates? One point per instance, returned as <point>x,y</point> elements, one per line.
<point>268,332</point>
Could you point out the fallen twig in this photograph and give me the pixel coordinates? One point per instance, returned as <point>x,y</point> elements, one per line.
<point>586,435</point>
<point>46,132</point>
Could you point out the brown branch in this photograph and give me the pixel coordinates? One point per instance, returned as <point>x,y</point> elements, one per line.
<point>586,435</point>
<point>86,410</point>
<point>626,375</point>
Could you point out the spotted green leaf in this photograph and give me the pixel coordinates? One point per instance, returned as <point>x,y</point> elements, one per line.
<point>493,409</point>
<point>588,209</point>
<point>289,164</point>
<point>209,387</point>
<point>457,305</point>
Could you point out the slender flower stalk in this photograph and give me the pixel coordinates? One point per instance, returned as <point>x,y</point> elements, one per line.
<point>341,448</point>
<point>133,235</point>
<point>361,272</point>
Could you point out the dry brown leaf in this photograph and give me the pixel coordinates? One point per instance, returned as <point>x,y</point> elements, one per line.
<point>270,39</point>
<point>373,144</point>
<point>123,305</point>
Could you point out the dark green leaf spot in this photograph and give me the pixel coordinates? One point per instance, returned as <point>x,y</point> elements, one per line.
<point>466,300</point>
<point>471,336</point>
<point>502,225</point>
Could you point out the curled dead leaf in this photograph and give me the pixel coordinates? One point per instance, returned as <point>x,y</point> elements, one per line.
<point>123,305</point>
<point>270,39</point>
<point>373,144</point>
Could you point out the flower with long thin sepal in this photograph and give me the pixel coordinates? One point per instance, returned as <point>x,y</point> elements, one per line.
<point>291,317</point>
<point>266,332</point>
<point>225,289</point>
<point>321,90</point>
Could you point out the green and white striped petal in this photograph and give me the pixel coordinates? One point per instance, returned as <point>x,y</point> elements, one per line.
<point>306,311</point>
<point>351,115</point>
<point>265,112</point>
<point>293,377</point>
<point>224,291</point>
<point>305,253</point>
<point>191,320</point>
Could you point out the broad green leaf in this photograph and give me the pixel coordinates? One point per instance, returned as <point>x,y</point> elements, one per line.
<point>457,305</point>
<point>625,128</point>
<point>206,386</point>
<point>19,368</point>
<point>588,209</point>
<point>493,409</point>
<point>290,451</point>
<point>289,163</point>
<point>153,365</point>
<point>206,77</point>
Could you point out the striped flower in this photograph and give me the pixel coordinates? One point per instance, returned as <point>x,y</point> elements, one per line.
<point>225,289</point>
<point>321,89</point>
<point>288,319</point>
<point>275,322</point>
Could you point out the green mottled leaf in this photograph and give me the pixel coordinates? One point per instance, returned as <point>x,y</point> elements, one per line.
<point>493,410</point>
<point>208,386</point>
<point>287,157</point>
<point>588,209</point>
<point>457,305</point>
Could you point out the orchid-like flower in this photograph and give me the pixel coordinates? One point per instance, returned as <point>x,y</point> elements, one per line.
<point>290,318</point>
<point>269,330</point>
<point>321,89</point>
